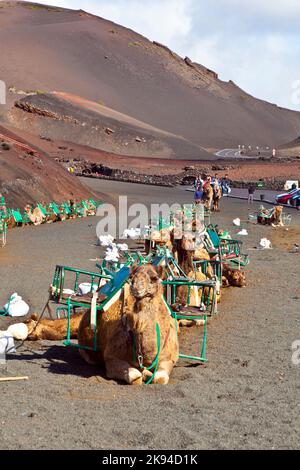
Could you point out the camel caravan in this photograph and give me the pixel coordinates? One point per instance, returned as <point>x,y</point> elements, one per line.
<point>127,315</point>
<point>47,213</point>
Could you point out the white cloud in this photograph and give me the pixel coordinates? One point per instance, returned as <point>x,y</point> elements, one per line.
<point>255,43</point>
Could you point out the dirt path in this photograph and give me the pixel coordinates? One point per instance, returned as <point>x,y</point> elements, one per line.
<point>247,396</point>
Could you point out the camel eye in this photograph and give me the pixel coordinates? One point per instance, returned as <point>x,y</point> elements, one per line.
<point>154,278</point>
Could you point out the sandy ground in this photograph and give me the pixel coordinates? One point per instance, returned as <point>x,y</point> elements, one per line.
<point>247,396</point>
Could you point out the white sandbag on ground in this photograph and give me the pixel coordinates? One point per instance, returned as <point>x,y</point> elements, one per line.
<point>237,222</point>
<point>7,344</point>
<point>19,331</point>
<point>16,306</point>
<point>265,244</point>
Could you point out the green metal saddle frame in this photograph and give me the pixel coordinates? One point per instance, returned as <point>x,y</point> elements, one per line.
<point>227,250</point>
<point>111,291</point>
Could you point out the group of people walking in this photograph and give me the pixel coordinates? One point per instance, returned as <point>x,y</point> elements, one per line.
<point>206,185</point>
<point>209,190</point>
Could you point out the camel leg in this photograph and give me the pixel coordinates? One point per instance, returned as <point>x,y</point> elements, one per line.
<point>162,376</point>
<point>87,357</point>
<point>121,370</point>
<point>48,333</point>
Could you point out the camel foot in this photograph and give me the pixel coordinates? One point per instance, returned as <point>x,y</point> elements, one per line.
<point>186,323</point>
<point>161,377</point>
<point>147,374</point>
<point>134,377</point>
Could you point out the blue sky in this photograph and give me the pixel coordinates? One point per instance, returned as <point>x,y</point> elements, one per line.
<point>255,43</point>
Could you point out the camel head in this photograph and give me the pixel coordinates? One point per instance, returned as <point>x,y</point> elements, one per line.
<point>146,281</point>
<point>162,237</point>
<point>188,242</point>
<point>235,277</point>
<point>278,212</point>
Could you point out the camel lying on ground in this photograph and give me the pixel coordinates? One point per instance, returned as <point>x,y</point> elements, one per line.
<point>233,277</point>
<point>35,216</point>
<point>158,238</point>
<point>52,330</point>
<point>130,326</point>
<point>275,219</point>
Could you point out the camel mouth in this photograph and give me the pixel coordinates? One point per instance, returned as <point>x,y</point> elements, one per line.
<point>140,294</point>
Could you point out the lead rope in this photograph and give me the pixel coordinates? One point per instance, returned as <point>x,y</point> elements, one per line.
<point>155,363</point>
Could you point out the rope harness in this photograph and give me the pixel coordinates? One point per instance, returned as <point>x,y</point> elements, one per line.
<point>138,356</point>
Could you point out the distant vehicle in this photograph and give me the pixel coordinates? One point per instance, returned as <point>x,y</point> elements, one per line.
<point>295,200</point>
<point>287,197</point>
<point>291,184</point>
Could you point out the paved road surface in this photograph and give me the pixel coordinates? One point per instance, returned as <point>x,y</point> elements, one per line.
<point>228,153</point>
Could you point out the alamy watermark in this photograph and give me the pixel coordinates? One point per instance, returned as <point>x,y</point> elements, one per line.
<point>118,221</point>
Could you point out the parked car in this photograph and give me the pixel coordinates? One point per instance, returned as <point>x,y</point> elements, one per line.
<point>286,197</point>
<point>295,200</point>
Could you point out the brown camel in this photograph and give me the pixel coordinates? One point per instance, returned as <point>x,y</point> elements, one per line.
<point>208,194</point>
<point>52,330</point>
<point>275,219</point>
<point>35,215</point>
<point>158,238</point>
<point>233,277</point>
<point>126,334</point>
<point>217,195</point>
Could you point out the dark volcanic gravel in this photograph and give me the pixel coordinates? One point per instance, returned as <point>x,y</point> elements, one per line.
<point>247,396</point>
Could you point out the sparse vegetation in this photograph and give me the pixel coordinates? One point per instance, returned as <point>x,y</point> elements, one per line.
<point>135,43</point>
<point>35,6</point>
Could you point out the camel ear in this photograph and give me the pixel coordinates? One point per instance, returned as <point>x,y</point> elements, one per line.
<point>134,268</point>
<point>161,272</point>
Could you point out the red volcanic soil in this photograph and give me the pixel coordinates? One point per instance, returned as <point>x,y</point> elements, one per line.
<point>237,170</point>
<point>31,177</point>
<point>50,49</point>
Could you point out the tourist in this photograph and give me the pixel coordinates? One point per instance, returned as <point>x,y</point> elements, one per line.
<point>225,185</point>
<point>198,196</point>
<point>251,191</point>
<point>198,182</point>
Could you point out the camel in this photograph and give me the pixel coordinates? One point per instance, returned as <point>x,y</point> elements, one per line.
<point>11,223</point>
<point>91,209</point>
<point>187,251</point>
<point>278,222</point>
<point>276,217</point>
<point>208,194</point>
<point>126,334</point>
<point>233,277</point>
<point>52,330</point>
<point>35,215</point>
<point>158,238</point>
<point>217,195</point>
